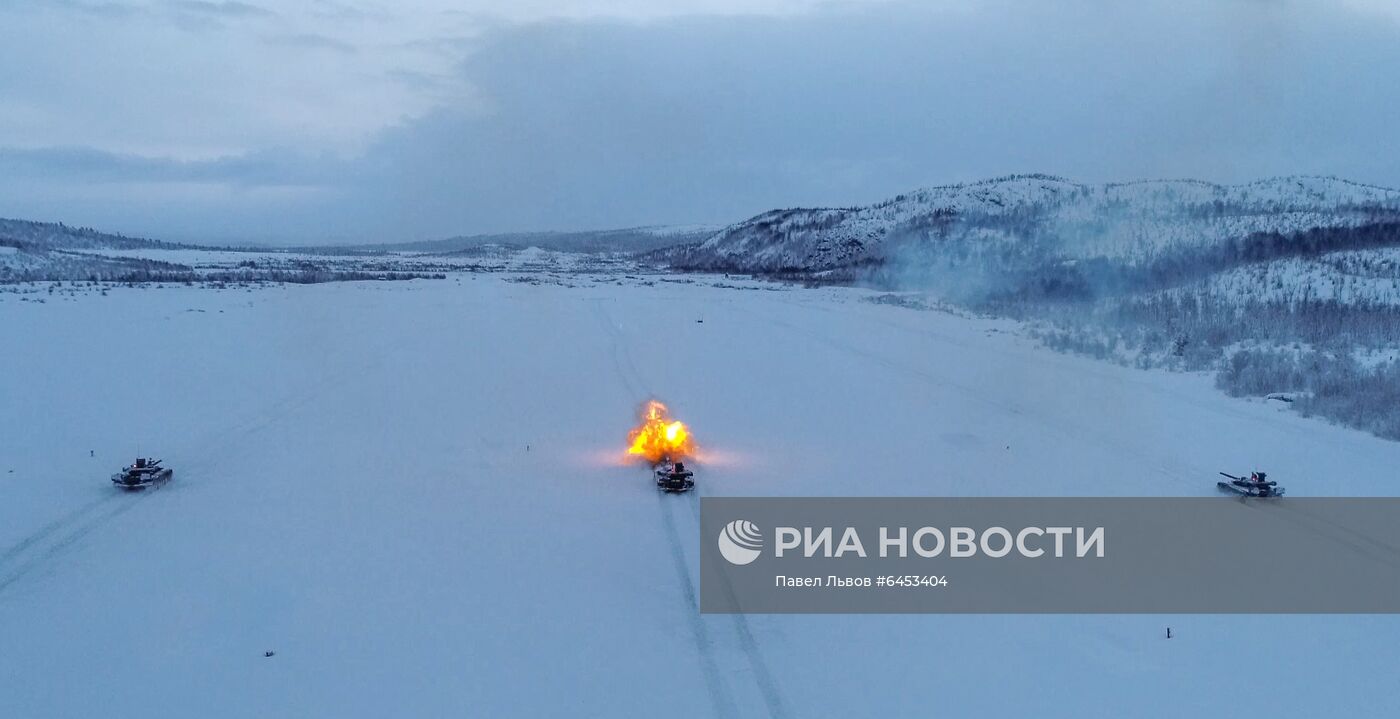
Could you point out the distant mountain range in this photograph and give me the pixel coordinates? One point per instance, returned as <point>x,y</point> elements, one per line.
<point>28,234</point>
<point>1018,234</point>
<point>1286,287</point>
<point>1025,220</point>
<point>628,240</point>
<point>38,251</point>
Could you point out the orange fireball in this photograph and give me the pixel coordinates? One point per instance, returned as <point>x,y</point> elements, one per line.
<point>658,436</point>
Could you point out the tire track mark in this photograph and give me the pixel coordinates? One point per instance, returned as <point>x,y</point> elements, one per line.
<point>621,358</point>
<point>763,677</point>
<point>715,685</point>
<point>748,643</point>
<point>40,534</point>
<point>719,693</point>
<point>1322,526</point>
<point>68,540</point>
<point>72,527</point>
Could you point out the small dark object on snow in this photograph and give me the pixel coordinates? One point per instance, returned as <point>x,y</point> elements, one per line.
<point>1257,484</point>
<point>142,473</point>
<point>269,653</point>
<point>674,477</point>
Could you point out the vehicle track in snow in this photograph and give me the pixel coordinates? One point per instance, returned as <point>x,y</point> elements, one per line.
<point>56,525</point>
<point>55,539</point>
<point>714,681</point>
<point>764,681</point>
<point>1362,544</point>
<point>717,690</point>
<point>763,678</point>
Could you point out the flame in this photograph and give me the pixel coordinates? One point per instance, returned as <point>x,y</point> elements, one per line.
<point>658,437</point>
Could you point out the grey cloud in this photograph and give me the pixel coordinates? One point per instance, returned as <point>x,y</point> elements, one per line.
<point>87,165</point>
<point>315,41</point>
<point>601,124</point>
<point>594,124</point>
<point>227,9</point>
<point>188,14</point>
<point>202,16</point>
<point>98,9</point>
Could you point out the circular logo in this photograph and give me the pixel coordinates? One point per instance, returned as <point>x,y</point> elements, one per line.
<point>740,542</point>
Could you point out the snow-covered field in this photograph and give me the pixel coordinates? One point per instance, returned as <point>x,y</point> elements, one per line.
<point>412,493</point>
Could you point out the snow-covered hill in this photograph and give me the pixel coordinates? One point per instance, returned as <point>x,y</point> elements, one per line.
<point>1165,273</point>
<point>55,251</point>
<point>1035,218</point>
<point>58,236</point>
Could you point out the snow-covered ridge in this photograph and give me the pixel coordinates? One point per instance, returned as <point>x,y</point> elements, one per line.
<point>25,234</point>
<point>1040,214</point>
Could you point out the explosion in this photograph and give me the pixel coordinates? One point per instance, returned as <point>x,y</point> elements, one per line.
<point>658,437</point>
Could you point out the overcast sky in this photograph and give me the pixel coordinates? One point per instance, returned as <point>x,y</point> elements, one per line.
<point>375,120</point>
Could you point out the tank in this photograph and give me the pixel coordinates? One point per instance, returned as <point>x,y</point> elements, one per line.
<point>142,473</point>
<point>674,477</point>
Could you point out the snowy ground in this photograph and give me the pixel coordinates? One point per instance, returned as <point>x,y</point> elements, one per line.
<point>411,493</point>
